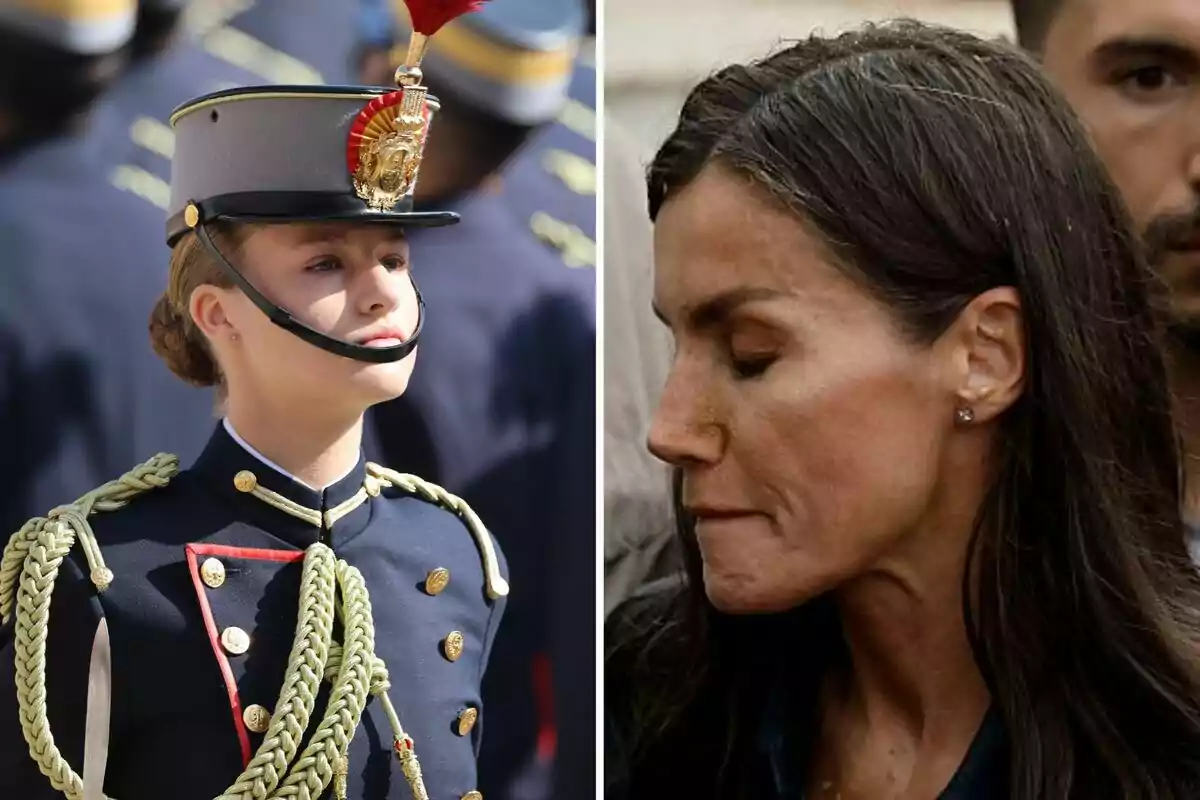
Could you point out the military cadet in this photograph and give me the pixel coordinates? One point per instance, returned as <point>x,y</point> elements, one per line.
<point>282,618</point>
<point>509,422</point>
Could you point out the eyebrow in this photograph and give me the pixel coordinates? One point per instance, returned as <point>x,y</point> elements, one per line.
<point>320,233</point>
<point>716,309</point>
<point>334,232</point>
<point>1159,48</point>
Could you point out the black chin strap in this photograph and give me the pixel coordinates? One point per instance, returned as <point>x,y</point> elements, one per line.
<point>358,352</point>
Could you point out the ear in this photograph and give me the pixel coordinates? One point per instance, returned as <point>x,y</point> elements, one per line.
<point>208,310</point>
<point>988,341</point>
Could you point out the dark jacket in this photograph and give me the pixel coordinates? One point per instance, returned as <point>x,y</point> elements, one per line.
<point>182,724</point>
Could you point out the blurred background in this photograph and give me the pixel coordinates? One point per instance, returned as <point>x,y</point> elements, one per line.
<point>651,60</point>
<point>501,407</point>
<point>655,51</point>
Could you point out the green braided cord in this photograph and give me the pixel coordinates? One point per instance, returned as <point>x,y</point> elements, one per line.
<point>313,771</point>
<point>29,646</point>
<point>155,473</point>
<point>28,570</point>
<point>13,561</point>
<point>379,683</point>
<point>297,699</point>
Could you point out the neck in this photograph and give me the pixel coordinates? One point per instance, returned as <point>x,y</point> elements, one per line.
<point>912,668</point>
<point>906,710</point>
<point>317,449</point>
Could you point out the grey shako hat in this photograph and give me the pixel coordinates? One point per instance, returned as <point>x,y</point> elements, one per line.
<point>300,153</point>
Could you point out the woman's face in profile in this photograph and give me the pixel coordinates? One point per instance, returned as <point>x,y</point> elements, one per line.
<point>807,428</point>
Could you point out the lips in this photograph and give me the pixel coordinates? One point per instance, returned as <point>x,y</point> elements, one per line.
<point>383,341</point>
<point>388,337</point>
<point>715,513</point>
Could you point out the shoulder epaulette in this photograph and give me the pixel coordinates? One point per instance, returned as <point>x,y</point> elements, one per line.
<point>54,534</point>
<point>497,586</point>
<point>28,571</point>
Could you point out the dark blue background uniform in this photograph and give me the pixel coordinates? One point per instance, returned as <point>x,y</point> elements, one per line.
<point>551,184</point>
<point>550,187</point>
<point>178,729</point>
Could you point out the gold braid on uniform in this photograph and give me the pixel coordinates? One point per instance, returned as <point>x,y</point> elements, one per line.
<point>30,565</point>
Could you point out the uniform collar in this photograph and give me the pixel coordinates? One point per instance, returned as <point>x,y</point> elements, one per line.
<point>249,448</point>
<point>256,488</point>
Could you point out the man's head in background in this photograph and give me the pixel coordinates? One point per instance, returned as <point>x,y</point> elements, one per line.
<point>1131,69</point>
<point>55,59</point>
<point>501,73</point>
<point>158,22</point>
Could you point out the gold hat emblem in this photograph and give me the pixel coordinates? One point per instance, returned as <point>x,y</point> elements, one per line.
<point>385,147</point>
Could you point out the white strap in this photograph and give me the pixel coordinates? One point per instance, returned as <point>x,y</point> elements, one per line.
<point>99,711</point>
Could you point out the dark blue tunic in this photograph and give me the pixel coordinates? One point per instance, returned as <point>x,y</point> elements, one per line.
<point>179,695</point>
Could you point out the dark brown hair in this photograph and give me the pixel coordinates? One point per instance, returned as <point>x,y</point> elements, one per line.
<point>1033,19</point>
<point>937,166</point>
<point>173,333</point>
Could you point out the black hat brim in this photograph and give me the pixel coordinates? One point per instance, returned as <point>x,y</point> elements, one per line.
<point>287,207</point>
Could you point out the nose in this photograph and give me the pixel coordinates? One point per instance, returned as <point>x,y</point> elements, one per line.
<point>686,430</point>
<point>382,291</point>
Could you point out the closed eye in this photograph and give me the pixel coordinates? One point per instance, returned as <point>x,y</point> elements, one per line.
<point>747,368</point>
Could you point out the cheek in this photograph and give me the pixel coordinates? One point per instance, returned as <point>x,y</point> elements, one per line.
<point>1144,155</point>
<point>409,312</point>
<point>843,456</point>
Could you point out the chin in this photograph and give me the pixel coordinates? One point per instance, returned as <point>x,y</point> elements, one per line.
<point>378,383</point>
<point>382,391</point>
<point>742,594</point>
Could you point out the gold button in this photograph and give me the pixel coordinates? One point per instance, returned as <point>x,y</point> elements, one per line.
<point>371,484</point>
<point>436,580</point>
<point>472,796</point>
<point>245,481</point>
<point>257,718</point>
<point>453,646</point>
<point>466,720</point>
<point>235,641</point>
<point>212,572</point>
<point>191,215</point>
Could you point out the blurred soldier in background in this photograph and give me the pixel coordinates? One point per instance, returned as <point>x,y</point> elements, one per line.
<point>78,51</point>
<point>510,402</point>
<point>81,393</point>
<point>551,182</point>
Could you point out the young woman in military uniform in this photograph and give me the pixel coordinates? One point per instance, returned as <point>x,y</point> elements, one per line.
<point>282,619</point>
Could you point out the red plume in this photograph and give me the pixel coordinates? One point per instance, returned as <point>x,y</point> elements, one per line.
<point>428,16</point>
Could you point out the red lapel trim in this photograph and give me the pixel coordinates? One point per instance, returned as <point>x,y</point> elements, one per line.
<point>194,551</point>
